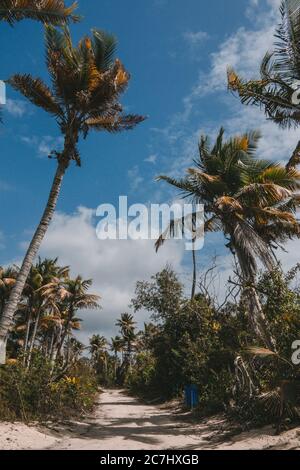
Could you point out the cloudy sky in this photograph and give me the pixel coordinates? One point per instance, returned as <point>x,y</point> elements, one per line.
<point>177,52</point>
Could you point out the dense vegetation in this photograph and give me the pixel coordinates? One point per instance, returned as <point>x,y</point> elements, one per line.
<point>45,373</point>
<point>200,342</point>
<point>239,354</point>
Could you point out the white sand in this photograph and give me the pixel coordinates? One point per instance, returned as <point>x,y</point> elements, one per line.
<point>123,423</point>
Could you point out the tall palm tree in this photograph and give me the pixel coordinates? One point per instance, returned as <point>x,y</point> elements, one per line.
<point>68,296</point>
<point>47,11</point>
<point>86,87</point>
<point>279,80</point>
<point>127,329</point>
<point>41,274</point>
<point>116,346</point>
<point>252,201</point>
<point>98,350</point>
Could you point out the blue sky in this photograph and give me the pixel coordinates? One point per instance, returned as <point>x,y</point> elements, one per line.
<point>177,52</point>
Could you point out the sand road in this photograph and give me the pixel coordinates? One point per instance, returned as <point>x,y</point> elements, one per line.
<point>120,422</point>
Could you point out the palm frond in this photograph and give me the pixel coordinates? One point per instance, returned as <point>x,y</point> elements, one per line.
<point>104,48</point>
<point>115,124</point>
<point>47,11</point>
<point>36,92</point>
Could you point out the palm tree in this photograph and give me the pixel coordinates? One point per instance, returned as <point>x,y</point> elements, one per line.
<point>116,346</point>
<point>279,78</point>
<point>75,349</point>
<point>67,296</point>
<point>127,329</point>
<point>41,274</point>
<point>251,201</point>
<point>98,350</point>
<point>86,86</point>
<point>47,11</point>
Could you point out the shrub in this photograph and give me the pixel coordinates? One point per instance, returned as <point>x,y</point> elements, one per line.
<point>36,393</point>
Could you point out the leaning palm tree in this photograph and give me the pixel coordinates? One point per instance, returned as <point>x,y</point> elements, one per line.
<point>277,90</point>
<point>86,86</point>
<point>252,201</point>
<point>47,11</point>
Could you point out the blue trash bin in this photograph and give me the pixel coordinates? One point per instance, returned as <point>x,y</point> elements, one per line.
<point>194,396</point>
<point>191,396</point>
<point>187,396</point>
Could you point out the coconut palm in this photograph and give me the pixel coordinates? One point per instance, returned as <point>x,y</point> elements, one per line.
<point>75,350</point>
<point>116,346</point>
<point>251,201</point>
<point>41,274</point>
<point>97,344</point>
<point>86,87</point>
<point>277,89</point>
<point>98,349</point>
<point>47,11</point>
<point>67,296</point>
<point>126,324</point>
<point>127,329</point>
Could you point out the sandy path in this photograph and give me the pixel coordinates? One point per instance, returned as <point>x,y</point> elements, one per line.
<point>124,423</point>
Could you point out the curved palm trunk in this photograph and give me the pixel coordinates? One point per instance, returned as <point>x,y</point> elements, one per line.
<point>257,316</point>
<point>15,295</point>
<point>258,319</point>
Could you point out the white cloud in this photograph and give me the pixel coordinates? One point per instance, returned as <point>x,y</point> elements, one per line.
<point>43,144</point>
<point>135,178</point>
<point>16,108</point>
<point>114,266</point>
<point>276,143</point>
<point>151,159</point>
<point>242,50</point>
<point>195,37</point>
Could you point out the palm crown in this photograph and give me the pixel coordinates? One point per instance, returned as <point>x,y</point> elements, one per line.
<point>252,201</point>
<point>86,86</point>
<point>46,11</point>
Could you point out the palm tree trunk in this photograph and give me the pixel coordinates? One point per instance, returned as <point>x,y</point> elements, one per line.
<point>194,271</point>
<point>33,338</point>
<point>50,351</point>
<point>258,319</point>
<point>27,336</point>
<point>15,295</point>
<point>115,366</point>
<point>68,354</point>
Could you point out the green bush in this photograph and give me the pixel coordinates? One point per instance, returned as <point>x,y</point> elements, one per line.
<point>37,393</point>
<point>140,378</point>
